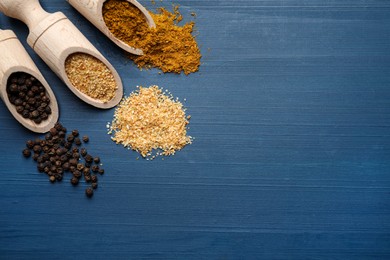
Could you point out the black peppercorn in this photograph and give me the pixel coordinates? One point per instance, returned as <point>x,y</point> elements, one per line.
<point>53,131</point>
<point>38,120</point>
<point>73,162</point>
<point>77,174</point>
<point>76,155</point>
<point>80,166</point>
<point>75,133</point>
<point>37,148</point>
<point>65,166</point>
<point>45,157</point>
<point>70,138</point>
<point>94,185</point>
<point>52,178</point>
<point>72,168</point>
<point>87,178</point>
<point>85,139</point>
<point>101,171</point>
<point>77,141</point>
<point>86,171</point>
<point>74,181</point>
<point>35,156</point>
<point>61,134</point>
<point>19,109</point>
<point>88,158</point>
<point>48,136</point>
<point>25,114</point>
<point>83,152</point>
<point>94,178</point>
<point>41,167</point>
<point>95,168</point>
<point>30,144</point>
<point>58,163</point>
<point>96,160</point>
<point>26,153</point>
<point>58,177</point>
<point>89,192</point>
<point>53,168</point>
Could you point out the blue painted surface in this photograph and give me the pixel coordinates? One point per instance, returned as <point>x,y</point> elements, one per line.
<point>291,115</point>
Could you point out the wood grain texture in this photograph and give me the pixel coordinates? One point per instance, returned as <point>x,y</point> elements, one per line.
<point>291,157</point>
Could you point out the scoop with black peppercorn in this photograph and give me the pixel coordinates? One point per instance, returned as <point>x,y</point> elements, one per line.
<point>22,87</point>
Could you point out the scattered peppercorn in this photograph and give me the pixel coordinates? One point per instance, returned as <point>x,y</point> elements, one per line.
<point>57,153</point>
<point>87,178</point>
<point>35,156</point>
<point>74,181</point>
<point>85,139</point>
<point>26,153</point>
<point>86,171</point>
<point>89,192</point>
<point>94,178</point>
<point>83,152</point>
<point>94,185</point>
<point>77,141</point>
<point>75,133</point>
<point>95,168</point>
<point>30,144</point>
<point>88,158</point>
<point>77,174</point>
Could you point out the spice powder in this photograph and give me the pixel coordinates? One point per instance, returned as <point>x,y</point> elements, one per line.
<point>91,76</point>
<point>170,47</point>
<point>150,119</point>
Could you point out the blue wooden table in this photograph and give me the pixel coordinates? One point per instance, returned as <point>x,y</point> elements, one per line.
<point>291,157</point>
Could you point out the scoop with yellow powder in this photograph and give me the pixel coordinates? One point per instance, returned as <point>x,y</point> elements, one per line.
<point>93,11</point>
<point>163,43</point>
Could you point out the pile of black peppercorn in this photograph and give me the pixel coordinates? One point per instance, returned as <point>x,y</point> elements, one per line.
<point>29,97</point>
<point>60,152</point>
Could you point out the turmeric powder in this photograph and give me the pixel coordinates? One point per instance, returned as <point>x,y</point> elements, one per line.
<point>169,47</point>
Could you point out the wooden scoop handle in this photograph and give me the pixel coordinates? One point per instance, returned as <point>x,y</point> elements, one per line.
<point>28,11</point>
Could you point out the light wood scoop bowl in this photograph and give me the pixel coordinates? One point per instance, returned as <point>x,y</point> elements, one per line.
<point>93,11</point>
<point>13,59</point>
<point>54,38</point>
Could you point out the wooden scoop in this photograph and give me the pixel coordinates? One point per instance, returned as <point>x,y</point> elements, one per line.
<point>92,10</point>
<point>14,58</point>
<point>54,38</point>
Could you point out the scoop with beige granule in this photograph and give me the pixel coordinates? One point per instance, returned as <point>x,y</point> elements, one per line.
<point>91,76</point>
<point>150,122</point>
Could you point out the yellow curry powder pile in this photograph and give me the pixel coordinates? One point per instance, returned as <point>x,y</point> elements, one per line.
<point>168,46</point>
<point>151,122</point>
<point>91,76</point>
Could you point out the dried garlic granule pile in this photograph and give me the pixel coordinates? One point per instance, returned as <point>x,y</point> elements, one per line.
<point>150,122</point>
<point>91,76</point>
<point>168,46</point>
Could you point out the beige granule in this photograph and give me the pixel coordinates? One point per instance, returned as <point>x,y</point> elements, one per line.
<point>91,76</point>
<point>150,119</point>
